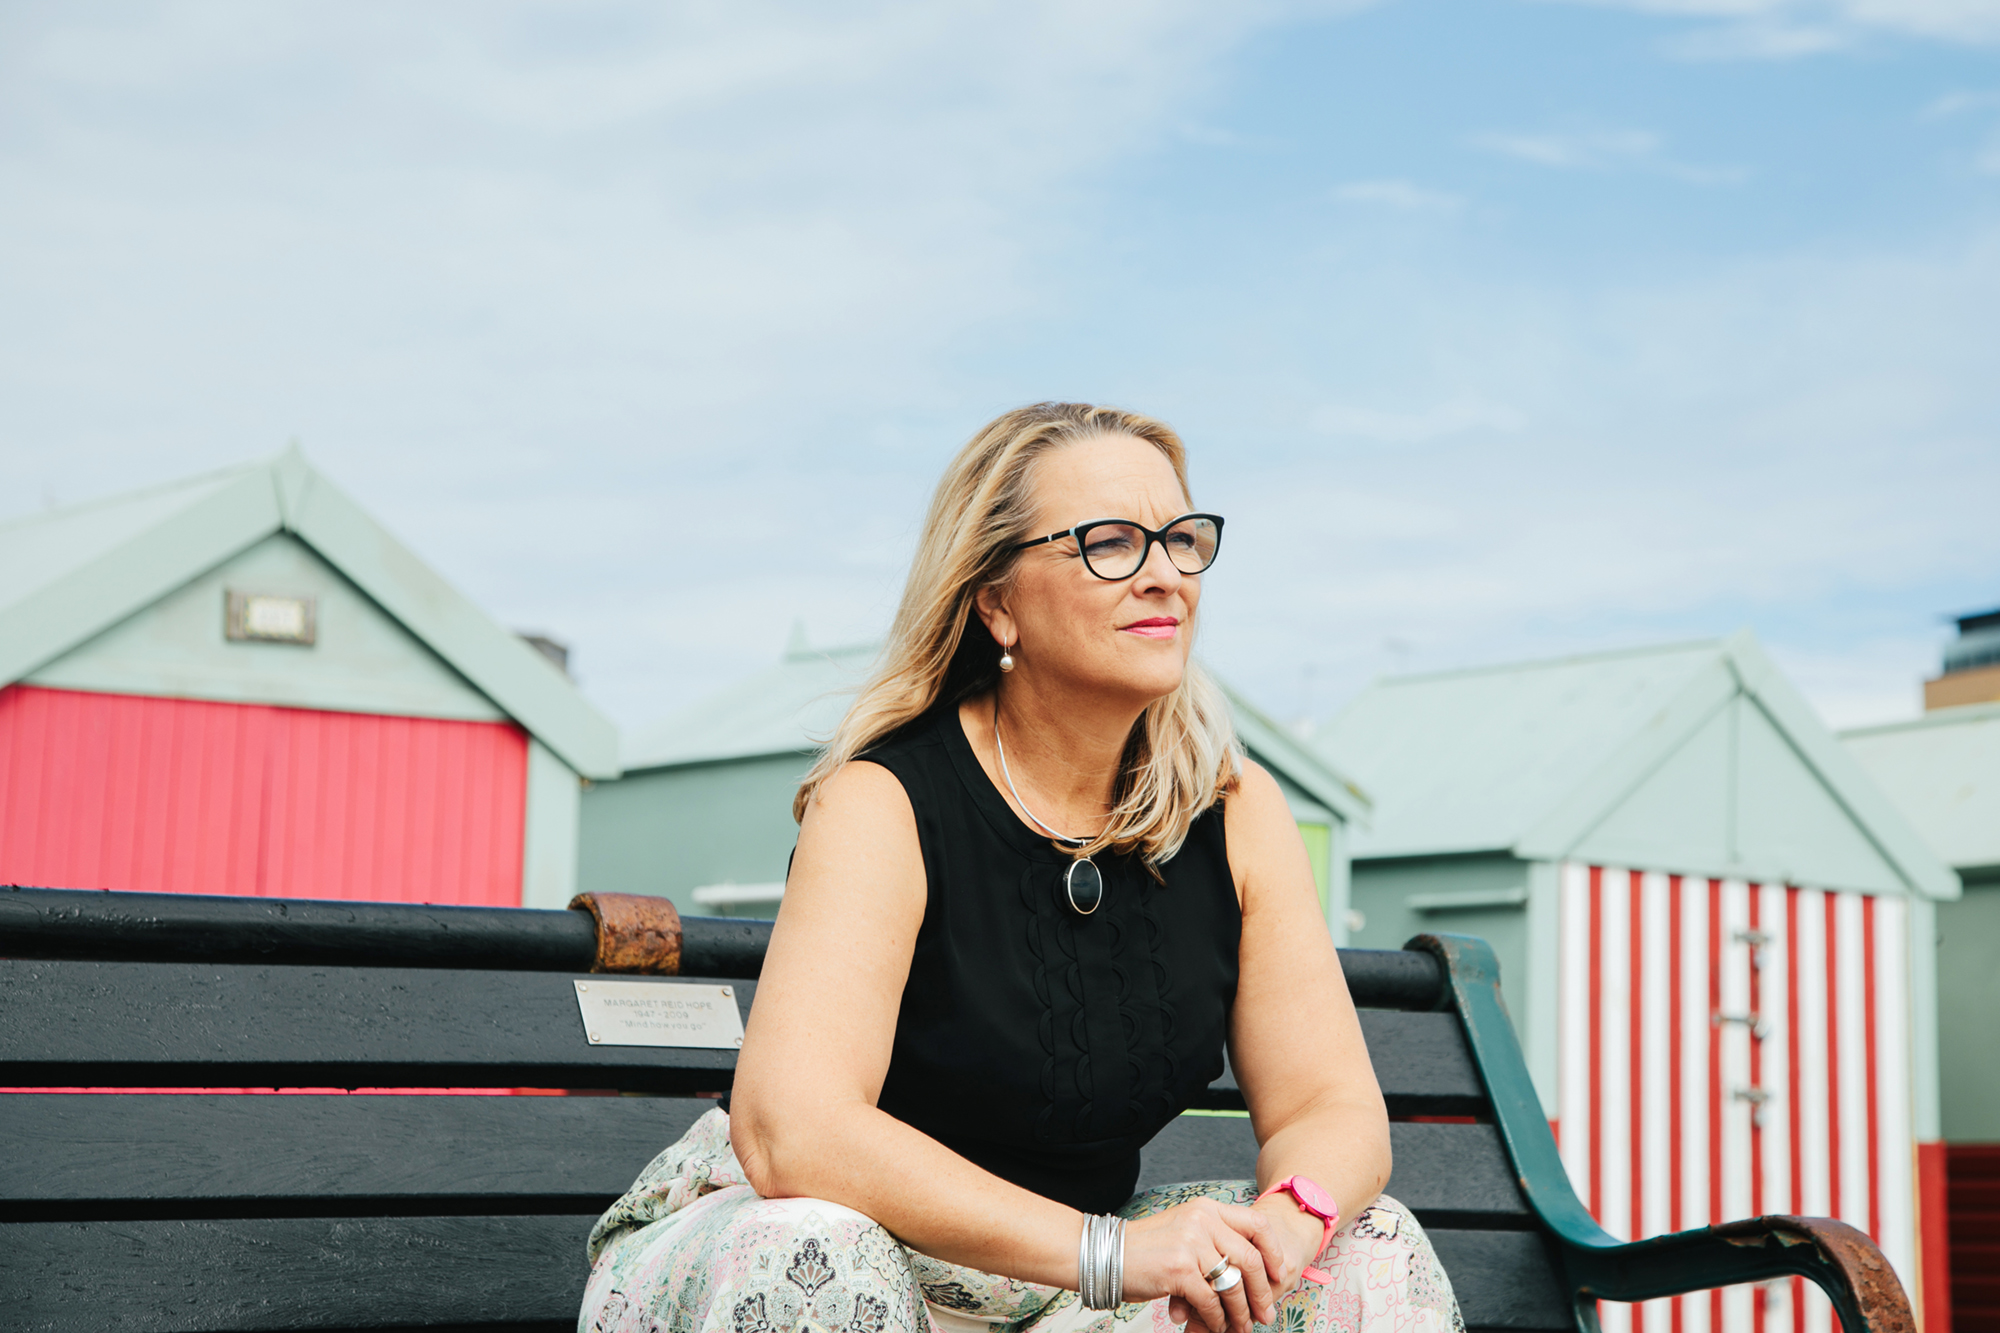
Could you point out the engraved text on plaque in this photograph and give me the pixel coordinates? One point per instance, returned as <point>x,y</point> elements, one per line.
<point>660,1013</point>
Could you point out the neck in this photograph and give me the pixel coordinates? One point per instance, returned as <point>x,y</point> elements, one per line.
<point>1062,753</point>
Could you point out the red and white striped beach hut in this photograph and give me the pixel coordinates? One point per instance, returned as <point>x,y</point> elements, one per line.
<point>242,684</point>
<point>1716,938</point>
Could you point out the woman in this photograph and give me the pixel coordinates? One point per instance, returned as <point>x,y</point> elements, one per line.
<point>1036,890</point>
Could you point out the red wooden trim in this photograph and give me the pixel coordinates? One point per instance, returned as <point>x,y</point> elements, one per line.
<point>1933,1238</point>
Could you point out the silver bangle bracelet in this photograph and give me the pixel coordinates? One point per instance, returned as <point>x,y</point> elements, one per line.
<point>1100,1262</point>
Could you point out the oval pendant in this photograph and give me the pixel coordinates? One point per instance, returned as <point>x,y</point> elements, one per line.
<point>1084,884</point>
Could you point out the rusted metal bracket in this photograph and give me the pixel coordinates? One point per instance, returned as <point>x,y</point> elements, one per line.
<point>635,932</point>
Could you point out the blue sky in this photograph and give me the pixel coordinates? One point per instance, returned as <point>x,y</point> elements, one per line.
<point>1498,330</point>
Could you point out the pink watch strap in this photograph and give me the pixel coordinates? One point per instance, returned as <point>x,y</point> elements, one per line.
<point>1309,1196</point>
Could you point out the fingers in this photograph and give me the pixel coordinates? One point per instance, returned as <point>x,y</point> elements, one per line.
<point>1262,1259</point>
<point>1248,1301</point>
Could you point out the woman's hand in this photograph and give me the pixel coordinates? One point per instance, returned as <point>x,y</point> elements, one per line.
<point>1299,1232</point>
<point>1168,1253</point>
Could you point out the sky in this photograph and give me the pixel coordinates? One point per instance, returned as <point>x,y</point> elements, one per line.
<point>1497,329</point>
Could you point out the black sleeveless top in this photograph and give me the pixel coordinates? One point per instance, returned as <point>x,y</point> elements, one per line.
<point>1044,1046</point>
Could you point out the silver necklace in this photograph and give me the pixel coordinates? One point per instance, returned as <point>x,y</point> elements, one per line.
<point>1083,883</point>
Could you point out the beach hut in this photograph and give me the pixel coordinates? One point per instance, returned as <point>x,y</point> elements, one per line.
<point>1943,772</point>
<point>1715,935</point>
<point>703,814</point>
<point>242,684</point>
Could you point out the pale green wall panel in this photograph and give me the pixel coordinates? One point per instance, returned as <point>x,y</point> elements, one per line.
<point>1790,825</point>
<point>667,831</point>
<point>1680,816</point>
<point>1390,895</point>
<point>363,661</point>
<point>549,851</point>
<point>1318,839</point>
<point>1968,985</point>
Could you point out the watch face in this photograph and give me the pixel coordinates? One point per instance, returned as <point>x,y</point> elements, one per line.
<point>1313,1197</point>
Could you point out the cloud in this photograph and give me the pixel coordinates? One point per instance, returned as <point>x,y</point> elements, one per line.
<point>1958,103</point>
<point>1788,29</point>
<point>1400,194</point>
<point>1604,150</point>
<point>540,282</point>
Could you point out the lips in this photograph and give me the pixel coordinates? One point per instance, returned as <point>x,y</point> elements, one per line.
<point>1155,627</point>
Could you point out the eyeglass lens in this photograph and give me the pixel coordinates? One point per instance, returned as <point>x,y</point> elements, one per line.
<point>1116,550</point>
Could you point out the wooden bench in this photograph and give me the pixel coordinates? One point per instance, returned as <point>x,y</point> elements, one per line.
<point>220,1211</point>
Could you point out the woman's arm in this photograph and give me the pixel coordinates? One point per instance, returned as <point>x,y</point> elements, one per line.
<point>803,1117</point>
<point>1295,1043</point>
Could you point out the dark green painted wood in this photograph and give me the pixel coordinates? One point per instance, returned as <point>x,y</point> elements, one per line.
<point>109,1155</point>
<point>297,932</point>
<point>236,1276</point>
<point>232,1276</point>
<point>1504,1279</point>
<point>1421,1063</point>
<point>89,1024</point>
<point>1455,1175</point>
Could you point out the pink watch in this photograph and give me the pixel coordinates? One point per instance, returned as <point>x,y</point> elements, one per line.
<point>1320,1204</point>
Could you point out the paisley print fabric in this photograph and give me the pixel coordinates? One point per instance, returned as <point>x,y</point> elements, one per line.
<point>692,1249</point>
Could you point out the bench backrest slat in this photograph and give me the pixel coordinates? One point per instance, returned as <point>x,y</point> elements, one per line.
<point>84,1024</point>
<point>73,1155</point>
<point>252,1276</point>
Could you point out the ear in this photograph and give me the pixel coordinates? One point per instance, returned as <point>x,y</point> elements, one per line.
<point>992,610</point>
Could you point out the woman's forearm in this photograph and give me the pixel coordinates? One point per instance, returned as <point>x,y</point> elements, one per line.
<point>926,1195</point>
<point>1341,1146</point>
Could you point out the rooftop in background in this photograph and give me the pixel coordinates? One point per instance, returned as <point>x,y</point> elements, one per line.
<point>1971,664</point>
<point>72,573</point>
<point>793,707</point>
<point>1943,772</point>
<point>1535,758</point>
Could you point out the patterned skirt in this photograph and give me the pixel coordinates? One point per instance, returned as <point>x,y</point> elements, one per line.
<point>692,1249</point>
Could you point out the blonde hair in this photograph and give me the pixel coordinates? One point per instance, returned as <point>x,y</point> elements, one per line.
<point>1180,758</point>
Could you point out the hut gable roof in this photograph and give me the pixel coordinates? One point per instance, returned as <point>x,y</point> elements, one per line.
<point>1942,770</point>
<point>793,708</point>
<point>1698,758</point>
<point>72,573</point>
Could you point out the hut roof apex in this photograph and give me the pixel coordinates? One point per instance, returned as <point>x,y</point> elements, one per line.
<point>1535,759</point>
<point>72,572</point>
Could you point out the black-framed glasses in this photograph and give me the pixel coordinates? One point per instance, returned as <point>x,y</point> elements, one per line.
<point>1116,548</point>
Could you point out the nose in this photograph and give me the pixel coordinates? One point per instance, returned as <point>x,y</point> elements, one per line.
<point>1158,573</point>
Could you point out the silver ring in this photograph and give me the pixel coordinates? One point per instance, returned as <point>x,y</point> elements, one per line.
<point>1231,1275</point>
<point>1221,1263</point>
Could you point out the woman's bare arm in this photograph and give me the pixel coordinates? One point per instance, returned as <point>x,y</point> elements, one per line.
<point>1295,1043</point>
<point>803,1117</point>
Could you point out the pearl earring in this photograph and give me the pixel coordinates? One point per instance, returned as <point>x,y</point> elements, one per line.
<point>1006,659</point>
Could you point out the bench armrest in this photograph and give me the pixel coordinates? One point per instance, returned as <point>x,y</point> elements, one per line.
<point>1840,1260</point>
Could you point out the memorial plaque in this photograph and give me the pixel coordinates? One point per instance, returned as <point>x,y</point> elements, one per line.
<point>660,1013</point>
